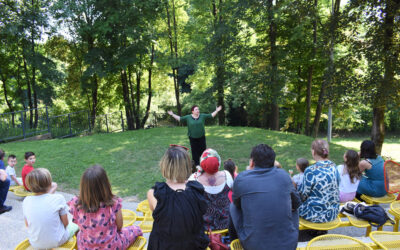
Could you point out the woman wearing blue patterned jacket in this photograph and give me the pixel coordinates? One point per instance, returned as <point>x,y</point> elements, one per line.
<point>320,188</point>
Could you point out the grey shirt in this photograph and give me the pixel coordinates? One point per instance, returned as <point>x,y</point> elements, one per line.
<point>265,209</point>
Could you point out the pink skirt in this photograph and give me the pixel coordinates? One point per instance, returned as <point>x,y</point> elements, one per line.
<point>344,197</point>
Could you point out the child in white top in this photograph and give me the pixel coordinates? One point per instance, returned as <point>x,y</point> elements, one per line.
<point>45,213</point>
<point>14,180</point>
<point>301,165</point>
<point>350,176</point>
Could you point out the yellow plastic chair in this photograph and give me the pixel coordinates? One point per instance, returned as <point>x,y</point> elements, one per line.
<point>129,217</point>
<point>12,188</point>
<point>223,232</point>
<point>20,191</point>
<point>336,241</point>
<point>147,224</point>
<point>144,207</point>
<point>386,240</point>
<point>235,245</point>
<point>138,244</point>
<point>304,224</point>
<point>395,211</point>
<point>69,245</point>
<point>388,198</point>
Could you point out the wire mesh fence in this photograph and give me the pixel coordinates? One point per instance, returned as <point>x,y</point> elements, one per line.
<point>69,125</point>
<point>108,123</point>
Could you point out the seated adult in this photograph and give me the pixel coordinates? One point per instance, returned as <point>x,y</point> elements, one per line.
<point>373,181</point>
<point>217,185</point>
<point>320,188</point>
<point>265,202</point>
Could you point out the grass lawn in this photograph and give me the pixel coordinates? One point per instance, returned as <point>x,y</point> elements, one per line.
<point>131,158</point>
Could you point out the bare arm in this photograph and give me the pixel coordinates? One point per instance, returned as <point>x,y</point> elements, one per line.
<point>216,111</point>
<point>176,117</point>
<point>3,175</point>
<point>15,180</point>
<point>364,165</point>
<point>26,222</point>
<point>120,220</point>
<point>64,219</point>
<point>152,200</point>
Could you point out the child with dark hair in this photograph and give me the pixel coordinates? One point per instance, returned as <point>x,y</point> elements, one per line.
<point>97,211</point>
<point>301,165</point>
<point>14,180</point>
<point>350,176</point>
<point>46,214</point>
<point>231,167</point>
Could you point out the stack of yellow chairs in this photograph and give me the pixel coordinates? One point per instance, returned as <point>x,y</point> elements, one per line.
<point>129,217</point>
<point>20,191</point>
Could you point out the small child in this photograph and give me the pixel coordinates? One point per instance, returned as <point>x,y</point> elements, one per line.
<point>97,211</point>
<point>46,215</point>
<point>12,161</point>
<point>301,165</point>
<point>30,159</point>
<point>350,176</point>
<point>231,167</point>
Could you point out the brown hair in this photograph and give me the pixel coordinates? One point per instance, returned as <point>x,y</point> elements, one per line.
<point>95,189</point>
<point>302,163</point>
<point>320,147</point>
<point>38,180</point>
<point>352,161</point>
<point>230,166</point>
<point>175,165</point>
<point>193,107</point>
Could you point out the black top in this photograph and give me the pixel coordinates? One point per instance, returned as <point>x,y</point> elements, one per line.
<point>178,218</point>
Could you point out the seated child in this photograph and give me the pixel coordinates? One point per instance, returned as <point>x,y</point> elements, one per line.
<point>46,214</point>
<point>30,159</point>
<point>350,176</point>
<point>178,205</point>
<point>97,211</point>
<point>231,167</point>
<point>14,180</point>
<point>301,165</point>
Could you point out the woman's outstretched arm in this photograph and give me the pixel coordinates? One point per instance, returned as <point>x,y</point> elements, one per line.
<point>177,117</point>
<point>216,111</point>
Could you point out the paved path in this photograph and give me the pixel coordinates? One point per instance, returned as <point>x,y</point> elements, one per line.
<point>14,231</point>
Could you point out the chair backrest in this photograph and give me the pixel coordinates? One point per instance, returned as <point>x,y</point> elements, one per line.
<point>235,245</point>
<point>336,241</point>
<point>392,176</point>
<point>386,240</point>
<point>129,217</point>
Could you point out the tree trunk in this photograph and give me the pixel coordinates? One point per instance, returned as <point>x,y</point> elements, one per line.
<point>9,104</point>
<point>150,92</point>
<point>132,95</point>
<point>137,111</point>
<point>127,104</point>
<point>174,53</point>
<point>311,70</point>
<point>274,115</point>
<point>29,93</point>
<point>94,91</point>
<point>329,73</point>
<point>386,87</point>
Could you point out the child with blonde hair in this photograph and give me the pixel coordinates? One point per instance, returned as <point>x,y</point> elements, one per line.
<point>97,211</point>
<point>178,205</point>
<point>46,214</point>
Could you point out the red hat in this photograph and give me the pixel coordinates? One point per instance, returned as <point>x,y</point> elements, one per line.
<point>210,161</point>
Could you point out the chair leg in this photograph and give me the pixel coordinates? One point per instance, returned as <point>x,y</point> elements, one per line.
<point>396,225</point>
<point>368,231</point>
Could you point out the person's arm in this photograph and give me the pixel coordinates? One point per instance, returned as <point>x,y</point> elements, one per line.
<point>120,220</point>
<point>216,111</point>
<point>3,175</point>
<point>176,117</point>
<point>26,222</point>
<point>363,165</point>
<point>305,187</point>
<point>53,188</point>
<point>152,200</point>
<point>64,219</point>
<point>15,180</point>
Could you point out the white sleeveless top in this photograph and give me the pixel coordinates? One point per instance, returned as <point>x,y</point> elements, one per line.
<point>215,189</point>
<point>346,186</point>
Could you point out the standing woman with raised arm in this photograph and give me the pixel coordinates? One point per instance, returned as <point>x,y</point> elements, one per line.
<point>196,132</point>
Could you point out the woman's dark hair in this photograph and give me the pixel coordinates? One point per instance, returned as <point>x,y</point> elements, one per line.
<point>352,161</point>
<point>95,189</point>
<point>367,150</point>
<point>193,107</point>
<point>230,166</point>
<point>263,156</point>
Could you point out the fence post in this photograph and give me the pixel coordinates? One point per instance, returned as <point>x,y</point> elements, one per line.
<point>88,115</point>
<point>122,122</point>
<point>69,122</point>
<point>107,123</point>
<point>23,123</point>
<point>48,120</point>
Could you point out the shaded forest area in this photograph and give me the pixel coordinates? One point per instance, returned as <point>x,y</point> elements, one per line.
<point>277,64</point>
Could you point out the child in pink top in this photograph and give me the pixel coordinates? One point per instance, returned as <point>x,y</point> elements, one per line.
<point>98,214</point>
<point>231,167</point>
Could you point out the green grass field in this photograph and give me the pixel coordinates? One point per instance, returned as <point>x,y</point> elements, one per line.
<point>131,158</point>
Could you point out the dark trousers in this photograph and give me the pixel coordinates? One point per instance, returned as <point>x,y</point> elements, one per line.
<point>198,145</point>
<point>4,186</point>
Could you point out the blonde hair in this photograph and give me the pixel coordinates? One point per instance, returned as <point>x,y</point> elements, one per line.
<point>38,180</point>
<point>95,189</point>
<point>175,165</point>
<point>320,147</point>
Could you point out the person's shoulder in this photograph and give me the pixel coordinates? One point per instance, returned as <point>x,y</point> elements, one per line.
<point>185,117</point>
<point>195,185</point>
<point>205,115</point>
